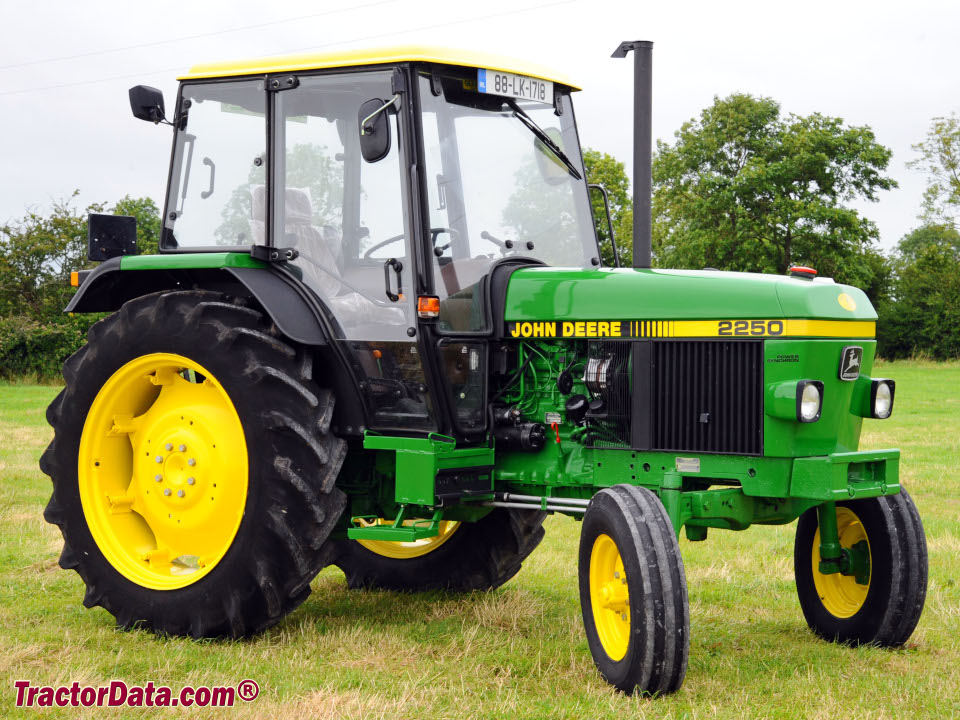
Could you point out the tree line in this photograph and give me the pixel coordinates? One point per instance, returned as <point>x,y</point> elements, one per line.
<point>741,187</point>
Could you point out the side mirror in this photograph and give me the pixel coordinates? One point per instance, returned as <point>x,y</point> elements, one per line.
<point>374,129</point>
<point>110,236</point>
<point>147,104</point>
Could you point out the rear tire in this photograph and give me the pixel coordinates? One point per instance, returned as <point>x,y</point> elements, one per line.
<point>291,504</point>
<point>633,592</point>
<point>887,611</point>
<point>480,555</point>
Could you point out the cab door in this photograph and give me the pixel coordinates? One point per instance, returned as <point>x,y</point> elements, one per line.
<point>349,220</point>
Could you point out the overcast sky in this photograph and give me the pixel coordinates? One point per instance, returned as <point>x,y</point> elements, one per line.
<point>890,65</point>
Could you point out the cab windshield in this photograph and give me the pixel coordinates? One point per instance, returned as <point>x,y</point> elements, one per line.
<point>496,189</point>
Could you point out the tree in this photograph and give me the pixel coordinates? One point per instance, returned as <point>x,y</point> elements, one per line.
<point>37,254</point>
<point>923,315</point>
<point>915,242</point>
<point>939,157</point>
<point>606,170</point>
<point>40,250</point>
<point>743,188</point>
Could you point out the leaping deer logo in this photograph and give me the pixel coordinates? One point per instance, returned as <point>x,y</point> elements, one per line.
<point>853,363</point>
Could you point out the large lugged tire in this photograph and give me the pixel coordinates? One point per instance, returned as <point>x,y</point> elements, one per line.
<point>633,592</point>
<point>885,611</point>
<point>192,465</point>
<point>466,556</point>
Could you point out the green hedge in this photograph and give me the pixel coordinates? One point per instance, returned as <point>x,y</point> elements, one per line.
<point>37,349</point>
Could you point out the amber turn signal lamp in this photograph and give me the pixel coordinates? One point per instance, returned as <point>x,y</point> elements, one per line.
<point>428,306</point>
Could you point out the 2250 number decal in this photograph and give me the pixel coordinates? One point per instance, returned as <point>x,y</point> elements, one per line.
<point>747,328</point>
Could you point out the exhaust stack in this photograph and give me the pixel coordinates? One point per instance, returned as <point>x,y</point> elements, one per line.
<point>642,146</point>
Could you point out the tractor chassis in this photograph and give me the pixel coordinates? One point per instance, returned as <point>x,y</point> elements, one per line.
<point>430,480</point>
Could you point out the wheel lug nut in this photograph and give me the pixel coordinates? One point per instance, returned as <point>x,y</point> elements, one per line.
<point>183,448</point>
<point>158,478</point>
<point>169,446</point>
<point>616,574</point>
<point>166,491</point>
<point>190,481</point>
<point>180,493</point>
<point>159,459</point>
<point>191,462</point>
<point>623,616</point>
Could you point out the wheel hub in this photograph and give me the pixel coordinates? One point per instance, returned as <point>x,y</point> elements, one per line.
<point>610,597</point>
<point>843,595</point>
<point>188,470</point>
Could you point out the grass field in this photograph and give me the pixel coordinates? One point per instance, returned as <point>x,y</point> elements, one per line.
<point>519,651</point>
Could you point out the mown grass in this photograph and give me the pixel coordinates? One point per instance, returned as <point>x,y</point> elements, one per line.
<point>517,652</point>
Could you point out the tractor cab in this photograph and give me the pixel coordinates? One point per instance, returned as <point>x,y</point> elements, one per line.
<point>397,178</point>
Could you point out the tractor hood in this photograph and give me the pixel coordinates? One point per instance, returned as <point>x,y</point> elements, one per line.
<point>694,303</point>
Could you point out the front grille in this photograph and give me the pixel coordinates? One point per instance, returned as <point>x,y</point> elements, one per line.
<point>707,396</point>
<point>698,396</point>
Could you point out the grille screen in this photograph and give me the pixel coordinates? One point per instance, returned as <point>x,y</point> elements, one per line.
<point>707,396</point>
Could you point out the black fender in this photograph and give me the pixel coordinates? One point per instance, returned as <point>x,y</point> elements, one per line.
<point>288,302</point>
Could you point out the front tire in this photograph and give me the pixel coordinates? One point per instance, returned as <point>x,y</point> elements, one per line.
<point>633,592</point>
<point>885,611</point>
<point>193,469</point>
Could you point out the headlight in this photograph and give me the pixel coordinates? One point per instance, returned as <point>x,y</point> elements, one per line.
<point>809,400</point>
<point>881,398</point>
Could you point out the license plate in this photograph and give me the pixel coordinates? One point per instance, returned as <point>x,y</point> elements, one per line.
<point>495,82</point>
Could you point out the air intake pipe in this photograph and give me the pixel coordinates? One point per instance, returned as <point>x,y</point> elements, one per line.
<point>642,146</point>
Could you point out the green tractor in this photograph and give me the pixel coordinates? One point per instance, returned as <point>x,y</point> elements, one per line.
<point>379,335</point>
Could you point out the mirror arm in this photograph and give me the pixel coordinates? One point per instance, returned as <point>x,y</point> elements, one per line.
<point>368,118</point>
<point>606,206</point>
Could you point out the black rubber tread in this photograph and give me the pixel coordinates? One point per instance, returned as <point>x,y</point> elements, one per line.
<point>292,503</point>
<point>481,555</point>
<point>898,574</point>
<point>659,646</point>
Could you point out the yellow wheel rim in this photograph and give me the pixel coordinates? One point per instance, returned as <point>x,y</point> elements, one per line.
<point>163,471</point>
<point>841,595</point>
<point>408,550</point>
<point>609,597</point>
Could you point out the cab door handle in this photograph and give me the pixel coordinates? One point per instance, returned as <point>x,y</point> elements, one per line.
<point>213,177</point>
<point>397,267</point>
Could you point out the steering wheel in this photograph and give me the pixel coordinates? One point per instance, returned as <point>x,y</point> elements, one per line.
<point>382,243</point>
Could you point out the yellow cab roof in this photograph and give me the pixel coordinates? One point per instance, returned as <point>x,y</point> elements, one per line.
<point>375,56</point>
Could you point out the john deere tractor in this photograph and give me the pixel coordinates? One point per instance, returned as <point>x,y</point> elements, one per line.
<point>379,335</point>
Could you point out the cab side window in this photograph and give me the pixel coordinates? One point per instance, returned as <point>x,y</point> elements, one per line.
<point>219,166</point>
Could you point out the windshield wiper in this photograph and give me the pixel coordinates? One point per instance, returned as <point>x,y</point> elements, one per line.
<point>543,137</point>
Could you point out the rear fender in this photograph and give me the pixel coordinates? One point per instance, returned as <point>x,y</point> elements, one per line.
<point>284,298</point>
